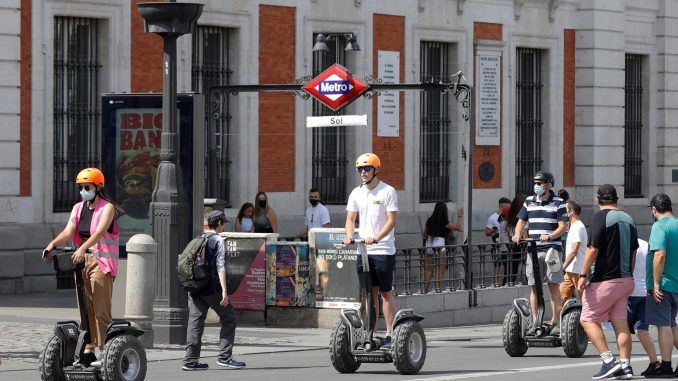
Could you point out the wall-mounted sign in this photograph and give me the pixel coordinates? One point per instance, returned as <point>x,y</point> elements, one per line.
<point>335,87</point>
<point>388,102</point>
<point>336,121</point>
<point>488,98</point>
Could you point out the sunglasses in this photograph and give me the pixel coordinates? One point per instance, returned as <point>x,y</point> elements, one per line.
<point>366,168</point>
<point>86,187</point>
<point>539,183</point>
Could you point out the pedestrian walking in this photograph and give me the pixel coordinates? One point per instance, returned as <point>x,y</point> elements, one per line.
<point>662,280</point>
<point>243,221</point>
<point>265,220</point>
<point>317,215</point>
<point>605,290</point>
<point>377,204</point>
<point>636,310</point>
<point>215,296</point>
<point>575,247</point>
<point>545,214</point>
<point>493,230</point>
<point>437,227</point>
<point>508,227</point>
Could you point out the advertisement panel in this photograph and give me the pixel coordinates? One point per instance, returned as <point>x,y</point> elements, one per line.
<point>336,277</point>
<point>131,132</point>
<point>288,272</point>
<point>246,269</point>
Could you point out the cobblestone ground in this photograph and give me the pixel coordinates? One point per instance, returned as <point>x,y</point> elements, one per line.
<point>22,342</point>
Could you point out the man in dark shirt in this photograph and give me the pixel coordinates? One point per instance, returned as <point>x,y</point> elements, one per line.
<point>613,242</point>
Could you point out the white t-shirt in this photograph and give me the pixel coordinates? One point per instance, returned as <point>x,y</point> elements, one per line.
<point>371,206</point>
<point>493,222</point>
<point>640,269</point>
<point>317,216</point>
<point>577,233</point>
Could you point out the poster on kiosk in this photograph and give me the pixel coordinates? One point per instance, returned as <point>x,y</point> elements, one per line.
<point>336,276</point>
<point>131,129</point>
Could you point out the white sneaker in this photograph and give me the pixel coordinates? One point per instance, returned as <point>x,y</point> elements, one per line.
<point>96,364</point>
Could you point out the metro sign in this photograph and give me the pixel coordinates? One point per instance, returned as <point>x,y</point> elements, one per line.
<point>336,87</point>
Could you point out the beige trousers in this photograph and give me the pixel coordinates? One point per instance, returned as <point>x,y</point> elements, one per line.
<point>98,294</point>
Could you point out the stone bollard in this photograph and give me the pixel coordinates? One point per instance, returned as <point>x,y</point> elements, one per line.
<point>142,252</point>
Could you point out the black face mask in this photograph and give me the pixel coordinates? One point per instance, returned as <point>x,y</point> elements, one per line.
<point>313,202</point>
<point>262,203</point>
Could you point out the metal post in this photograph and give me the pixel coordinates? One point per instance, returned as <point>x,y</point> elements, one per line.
<point>169,208</point>
<point>468,224</point>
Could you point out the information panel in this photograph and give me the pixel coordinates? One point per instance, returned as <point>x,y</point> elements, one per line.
<point>336,277</point>
<point>388,102</point>
<point>488,98</point>
<point>288,269</point>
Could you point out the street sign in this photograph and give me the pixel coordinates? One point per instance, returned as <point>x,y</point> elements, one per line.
<point>336,120</point>
<point>336,87</point>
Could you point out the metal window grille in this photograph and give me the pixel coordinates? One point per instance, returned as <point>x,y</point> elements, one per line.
<point>210,67</point>
<point>434,167</point>
<point>76,105</point>
<point>329,143</point>
<point>633,127</point>
<point>529,86</point>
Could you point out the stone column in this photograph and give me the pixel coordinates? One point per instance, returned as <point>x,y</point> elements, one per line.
<point>142,251</point>
<point>599,94</point>
<point>667,98</point>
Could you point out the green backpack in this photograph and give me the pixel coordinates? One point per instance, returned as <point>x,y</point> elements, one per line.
<point>192,266</point>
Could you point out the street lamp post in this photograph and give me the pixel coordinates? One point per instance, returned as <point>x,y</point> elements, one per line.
<point>169,208</point>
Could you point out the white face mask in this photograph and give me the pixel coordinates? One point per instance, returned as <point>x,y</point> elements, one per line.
<point>87,195</point>
<point>538,189</point>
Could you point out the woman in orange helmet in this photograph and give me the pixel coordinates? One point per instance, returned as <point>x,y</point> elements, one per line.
<point>92,226</point>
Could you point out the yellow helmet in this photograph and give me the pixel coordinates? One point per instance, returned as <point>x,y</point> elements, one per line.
<point>90,175</point>
<point>368,159</point>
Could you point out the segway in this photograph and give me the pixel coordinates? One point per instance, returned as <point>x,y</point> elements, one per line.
<point>353,342</point>
<point>62,358</point>
<point>517,321</point>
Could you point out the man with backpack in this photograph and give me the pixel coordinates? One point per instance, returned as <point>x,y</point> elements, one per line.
<point>213,294</point>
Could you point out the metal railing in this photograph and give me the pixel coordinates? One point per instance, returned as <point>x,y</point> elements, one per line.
<point>420,270</point>
<point>436,126</point>
<point>633,127</point>
<point>529,86</point>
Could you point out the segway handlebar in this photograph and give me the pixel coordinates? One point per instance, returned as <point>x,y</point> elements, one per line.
<point>360,240</point>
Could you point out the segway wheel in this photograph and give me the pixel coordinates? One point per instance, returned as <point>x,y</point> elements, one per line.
<point>409,347</point>
<point>340,353</point>
<point>573,335</point>
<point>124,359</point>
<point>49,361</point>
<point>514,345</point>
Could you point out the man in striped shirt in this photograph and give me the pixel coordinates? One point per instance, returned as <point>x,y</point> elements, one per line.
<point>544,212</point>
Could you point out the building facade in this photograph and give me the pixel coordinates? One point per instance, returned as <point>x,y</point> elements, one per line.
<point>587,89</point>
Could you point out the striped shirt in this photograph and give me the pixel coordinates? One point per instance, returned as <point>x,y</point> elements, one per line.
<point>543,217</point>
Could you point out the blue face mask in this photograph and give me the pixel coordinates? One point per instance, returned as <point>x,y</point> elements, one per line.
<point>87,195</point>
<point>538,189</point>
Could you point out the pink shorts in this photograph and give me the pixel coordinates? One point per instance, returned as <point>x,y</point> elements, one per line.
<point>606,300</point>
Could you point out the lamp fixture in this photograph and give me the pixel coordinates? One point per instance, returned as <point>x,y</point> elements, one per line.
<point>321,42</point>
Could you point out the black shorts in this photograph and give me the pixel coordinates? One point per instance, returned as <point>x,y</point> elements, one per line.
<point>381,271</point>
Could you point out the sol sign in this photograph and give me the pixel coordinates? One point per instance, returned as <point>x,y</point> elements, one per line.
<point>336,87</point>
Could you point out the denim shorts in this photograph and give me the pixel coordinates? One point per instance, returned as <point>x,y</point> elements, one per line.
<point>664,313</point>
<point>381,271</point>
<point>635,313</point>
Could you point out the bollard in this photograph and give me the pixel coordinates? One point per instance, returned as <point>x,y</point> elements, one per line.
<point>140,291</point>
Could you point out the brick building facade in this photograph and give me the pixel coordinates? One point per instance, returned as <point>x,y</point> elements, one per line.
<point>588,91</point>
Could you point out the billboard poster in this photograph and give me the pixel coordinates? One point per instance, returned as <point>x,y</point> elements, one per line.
<point>336,277</point>
<point>131,141</point>
<point>246,272</point>
<point>288,275</point>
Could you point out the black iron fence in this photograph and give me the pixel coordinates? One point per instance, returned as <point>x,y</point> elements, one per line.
<point>421,270</point>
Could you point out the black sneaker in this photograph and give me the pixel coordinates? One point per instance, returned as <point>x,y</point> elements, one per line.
<point>195,366</point>
<point>88,358</point>
<point>387,343</point>
<point>607,370</point>
<point>661,371</point>
<point>231,363</point>
<point>622,374</point>
<point>651,369</point>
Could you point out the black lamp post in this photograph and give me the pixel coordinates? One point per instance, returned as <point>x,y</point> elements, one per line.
<point>169,207</point>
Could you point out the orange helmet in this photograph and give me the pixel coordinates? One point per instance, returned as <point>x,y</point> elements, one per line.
<point>368,159</point>
<point>90,175</point>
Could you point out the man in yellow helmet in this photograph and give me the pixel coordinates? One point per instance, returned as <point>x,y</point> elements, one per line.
<point>377,205</point>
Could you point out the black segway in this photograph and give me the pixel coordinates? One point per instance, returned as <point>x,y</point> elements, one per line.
<point>62,358</point>
<point>572,337</point>
<point>353,342</point>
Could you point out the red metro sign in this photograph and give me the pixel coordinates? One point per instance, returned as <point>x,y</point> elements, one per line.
<point>336,87</point>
